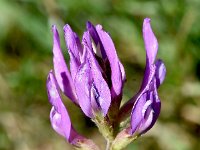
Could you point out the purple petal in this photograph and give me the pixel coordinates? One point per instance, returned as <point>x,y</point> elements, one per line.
<point>73,42</point>
<point>156,105</point>
<point>137,113</point>
<point>60,68</point>
<point>83,86</point>
<point>148,117</point>
<point>150,41</point>
<point>160,72</point>
<point>116,74</point>
<point>122,72</point>
<point>151,46</point>
<point>74,49</point>
<point>142,115</point>
<point>99,50</point>
<point>87,45</point>
<point>92,89</point>
<point>148,77</point>
<point>60,119</point>
<point>86,41</point>
<point>150,110</point>
<point>152,117</point>
<point>59,116</point>
<point>100,87</point>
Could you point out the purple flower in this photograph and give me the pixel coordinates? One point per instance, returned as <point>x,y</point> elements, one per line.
<point>60,119</point>
<point>95,83</point>
<point>146,104</point>
<point>95,78</point>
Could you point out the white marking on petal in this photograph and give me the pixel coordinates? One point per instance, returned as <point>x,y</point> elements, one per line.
<point>96,49</point>
<point>146,105</point>
<point>100,101</point>
<point>53,93</point>
<point>57,116</point>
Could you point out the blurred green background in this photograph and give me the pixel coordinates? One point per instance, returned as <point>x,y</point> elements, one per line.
<point>26,58</point>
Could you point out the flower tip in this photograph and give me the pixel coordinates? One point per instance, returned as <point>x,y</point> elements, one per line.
<point>150,41</point>
<point>66,28</point>
<point>53,28</point>
<point>147,20</point>
<point>89,24</point>
<point>55,32</point>
<point>49,75</point>
<point>99,27</point>
<point>146,23</point>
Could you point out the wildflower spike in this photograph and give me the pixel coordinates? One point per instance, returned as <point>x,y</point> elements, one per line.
<point>95,84</point>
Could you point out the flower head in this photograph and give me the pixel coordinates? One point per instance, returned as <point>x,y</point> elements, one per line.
<point>95,82</point>
<point>95,76</point>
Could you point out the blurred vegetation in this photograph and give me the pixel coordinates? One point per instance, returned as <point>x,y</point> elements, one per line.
<point>26,58</point>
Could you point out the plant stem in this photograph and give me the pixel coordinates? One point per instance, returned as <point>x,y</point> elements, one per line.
<point>108,144</point>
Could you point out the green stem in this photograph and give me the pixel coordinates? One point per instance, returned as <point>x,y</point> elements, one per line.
<point>108,145</point>
<point>123,139</point>
<point>104,126</point>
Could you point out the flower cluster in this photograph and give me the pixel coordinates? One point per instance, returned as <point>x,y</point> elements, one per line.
<point>95,83</point>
